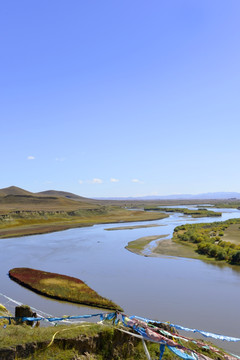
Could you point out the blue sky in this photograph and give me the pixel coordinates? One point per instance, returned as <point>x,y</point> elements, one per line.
<point>120,98</point>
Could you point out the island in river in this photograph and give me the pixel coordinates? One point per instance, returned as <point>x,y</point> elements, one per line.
<point>60,287</point>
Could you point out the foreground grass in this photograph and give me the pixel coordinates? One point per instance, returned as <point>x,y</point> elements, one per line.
<point>60,287</point>
<point>30,223</point>
<point>14,335</point>
<point>3,312</point>
<point>86,341</point>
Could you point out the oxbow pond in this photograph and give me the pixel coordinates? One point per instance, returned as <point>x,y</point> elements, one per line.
<point>183,291</point>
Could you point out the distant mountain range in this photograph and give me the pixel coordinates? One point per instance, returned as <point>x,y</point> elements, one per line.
<point>204,196</point>
<point>18,192</point>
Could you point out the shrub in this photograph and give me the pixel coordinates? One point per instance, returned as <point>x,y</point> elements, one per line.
<point>221,254</point>
<point>235,258</point>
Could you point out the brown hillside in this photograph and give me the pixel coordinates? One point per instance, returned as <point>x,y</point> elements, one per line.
<point>37,203</point>
<point>14,190</point>
<point>64,194</point>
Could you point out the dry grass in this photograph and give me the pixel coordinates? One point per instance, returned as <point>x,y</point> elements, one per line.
<point>170,248</point>
<point>232,234</point>
<point>30,223</point>
<point>132,227</point>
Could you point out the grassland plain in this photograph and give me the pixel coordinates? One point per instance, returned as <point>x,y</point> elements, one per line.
<point>38,222</point>
<point>60,287</point>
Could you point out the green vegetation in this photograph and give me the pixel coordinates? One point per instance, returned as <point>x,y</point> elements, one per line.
<point>228,204</point>
<point>3,312</point>
<point>194,213</point>
<point>30,222</point>
<point>137,246</point>
<point>60,287</point>
<point>209,239</point>
<point>86,341</point>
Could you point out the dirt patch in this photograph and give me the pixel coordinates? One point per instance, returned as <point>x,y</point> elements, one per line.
<point>137,246</point>
<point>132,227</point>
<point>232,234</point>
<point>170,248</point>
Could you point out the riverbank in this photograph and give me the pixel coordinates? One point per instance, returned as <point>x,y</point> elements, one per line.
<point>138,246</point>
<point>33,223</point>
<point>196,213</point>
<point>216,242</point>
<point>163,247</point>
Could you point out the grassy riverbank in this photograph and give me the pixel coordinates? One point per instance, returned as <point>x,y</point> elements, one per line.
<point>138,246</point>
<point>196,213</point>
<point>60,287</point>
<point>171,248</point>
<point>228,204</point>
<point>21,223</point>
<point>218,241</point>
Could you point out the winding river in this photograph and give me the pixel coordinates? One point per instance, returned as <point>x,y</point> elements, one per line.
<point>184,291</point>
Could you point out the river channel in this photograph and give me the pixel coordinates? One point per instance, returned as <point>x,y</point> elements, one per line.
<point>188,292</point>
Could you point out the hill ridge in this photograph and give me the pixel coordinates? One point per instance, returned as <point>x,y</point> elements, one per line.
<point>14,190</point>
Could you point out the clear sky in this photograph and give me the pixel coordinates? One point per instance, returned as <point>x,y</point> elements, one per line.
<point>120,97</point>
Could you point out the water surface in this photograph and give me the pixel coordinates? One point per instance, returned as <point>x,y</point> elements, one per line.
<point>184,291</point>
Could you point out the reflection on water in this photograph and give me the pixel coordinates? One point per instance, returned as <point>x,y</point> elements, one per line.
<point>184,291</point>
